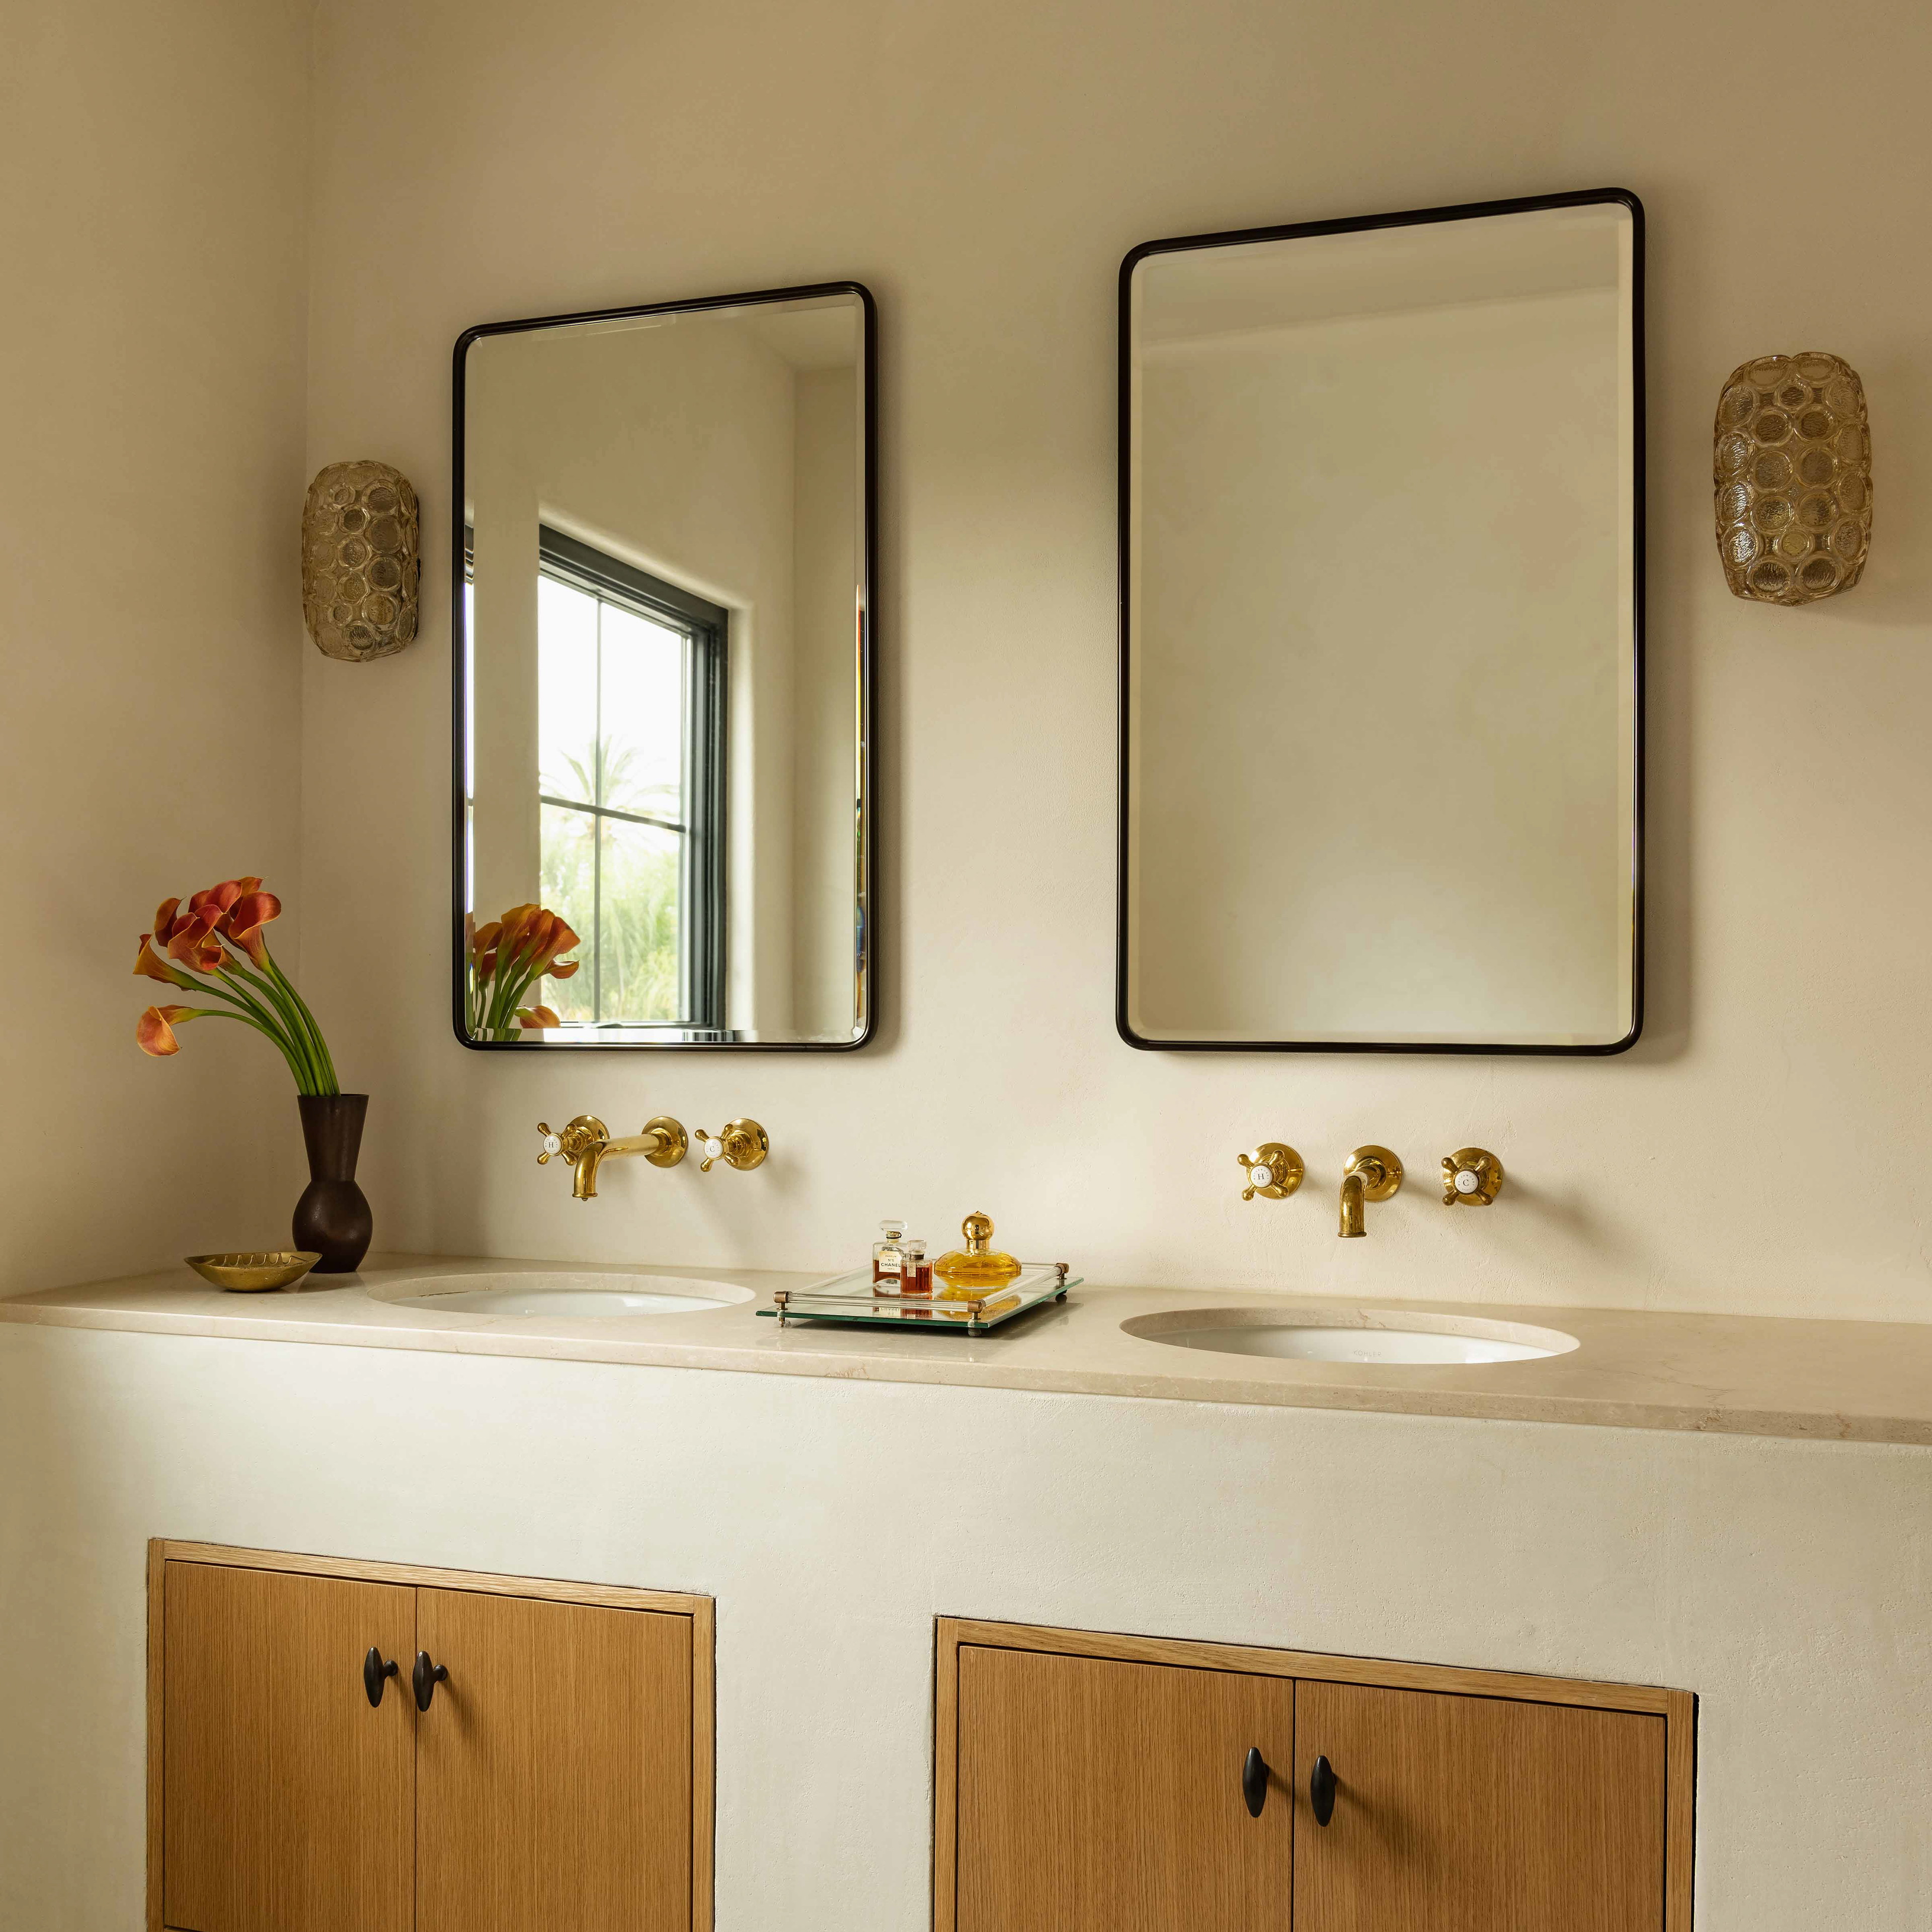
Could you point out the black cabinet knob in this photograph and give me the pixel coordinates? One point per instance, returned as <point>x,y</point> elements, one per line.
<point>375,1675</point>
<point>1321,1784</point>
<point>1254,1780</point>
<point>426,1677</point>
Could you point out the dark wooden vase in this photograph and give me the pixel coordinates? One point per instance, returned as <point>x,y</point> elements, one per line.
<point>332,1218</point>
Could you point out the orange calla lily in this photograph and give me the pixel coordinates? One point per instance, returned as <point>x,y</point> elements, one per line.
<point>221,897</point>
<point>507,956</point>
<point>207,937</point>
<point>193,942</point>
<point>513,940</point>
<point>154,1031</point>
<point>245,919</point>
<point>149,964</point>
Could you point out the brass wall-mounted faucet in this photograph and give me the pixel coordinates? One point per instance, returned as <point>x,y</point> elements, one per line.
<point>585,1145</point>
<point>1371,1174</point>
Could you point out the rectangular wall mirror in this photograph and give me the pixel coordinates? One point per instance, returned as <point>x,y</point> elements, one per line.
<point>1382,525</point>
<point>663,600</point>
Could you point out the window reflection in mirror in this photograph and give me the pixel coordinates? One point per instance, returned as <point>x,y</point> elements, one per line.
<point>665,663</point>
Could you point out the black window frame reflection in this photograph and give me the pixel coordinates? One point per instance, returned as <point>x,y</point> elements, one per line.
<point>706,628</point>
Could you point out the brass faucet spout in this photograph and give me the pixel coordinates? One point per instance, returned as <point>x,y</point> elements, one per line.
<point>1355,1223</point>
<point>1371,1173</point>
<point>585,1144</point>
<point>653,1144</point>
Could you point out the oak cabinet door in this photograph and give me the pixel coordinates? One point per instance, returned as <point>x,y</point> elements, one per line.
<point>1096,1796</point>
<point>554,1771</point>
<point>285,1799</point>
<point>1478,1814</point>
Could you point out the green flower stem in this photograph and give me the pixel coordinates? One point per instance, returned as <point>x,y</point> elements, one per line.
<point>511,990</point>
<point>500,986</point>
<point>258,1014</point>
<point>327,1065</point>
<point>273,1011</point>
<point>287,1052</point>
<point>493,1007</point>
<point>273,990</point>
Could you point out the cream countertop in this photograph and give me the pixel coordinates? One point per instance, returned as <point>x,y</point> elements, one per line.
<point>1850,1382</point>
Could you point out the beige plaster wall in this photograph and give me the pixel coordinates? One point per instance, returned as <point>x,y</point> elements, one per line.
<point>150,364</point>
<point>984,165</point>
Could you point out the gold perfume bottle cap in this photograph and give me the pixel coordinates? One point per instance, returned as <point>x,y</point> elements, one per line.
<point>978,1229</point>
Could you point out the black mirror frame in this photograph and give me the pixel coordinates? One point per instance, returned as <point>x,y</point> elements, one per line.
<point>1295,231</point>
<point>865,956</point>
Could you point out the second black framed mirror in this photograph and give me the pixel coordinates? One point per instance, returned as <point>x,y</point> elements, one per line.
<point>1381,653</point>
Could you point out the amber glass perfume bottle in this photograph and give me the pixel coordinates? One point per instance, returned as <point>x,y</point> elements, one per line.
<point>978,1267</point>
<point>918,1276</point>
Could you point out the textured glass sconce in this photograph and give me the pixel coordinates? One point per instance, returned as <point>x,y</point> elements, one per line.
<point>1793,478</point>
<point>361,542</point>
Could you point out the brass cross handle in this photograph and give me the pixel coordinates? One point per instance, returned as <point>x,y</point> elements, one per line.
<point>1471,1178</point>
<point>1274,1171</point>
<point>583,1133</point>
<point>743,1144</point>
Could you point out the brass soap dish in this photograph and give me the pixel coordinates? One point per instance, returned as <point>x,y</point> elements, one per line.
<point>250,1273</point>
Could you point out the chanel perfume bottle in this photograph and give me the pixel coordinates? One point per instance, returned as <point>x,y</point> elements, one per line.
<point>888,1259</point>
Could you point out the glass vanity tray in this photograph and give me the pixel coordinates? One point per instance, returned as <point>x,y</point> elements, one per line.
<point>849,1299</point>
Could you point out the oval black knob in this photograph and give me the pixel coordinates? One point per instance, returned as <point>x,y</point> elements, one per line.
<point>1321,1784</point>
<point>375,1675</point>
<point>1254,1780</point>
<point>426,1677</point>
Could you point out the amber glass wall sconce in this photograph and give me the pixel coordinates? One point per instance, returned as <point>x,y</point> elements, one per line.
<point>361,548</point>
<point>1793,476</point>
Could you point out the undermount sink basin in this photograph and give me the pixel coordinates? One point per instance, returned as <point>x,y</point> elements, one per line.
<point>574,1295</point>
<point>1408,1339</point>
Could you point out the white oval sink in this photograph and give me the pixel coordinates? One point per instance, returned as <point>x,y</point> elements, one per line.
<point>1409,1339</point>
<point>574,1294</point>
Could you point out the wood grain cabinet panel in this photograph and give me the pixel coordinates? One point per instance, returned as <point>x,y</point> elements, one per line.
<point>560,1779</point>
<point>1084,1781</point>
<point>1468,1814</point>
<point>289,1801</point>
<point>553,1769</point>
<point>1100,1796</point>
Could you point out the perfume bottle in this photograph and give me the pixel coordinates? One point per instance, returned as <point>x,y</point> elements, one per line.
<point>980,1267</point>
<point>888,1259</point>
<point>918,1275</point>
